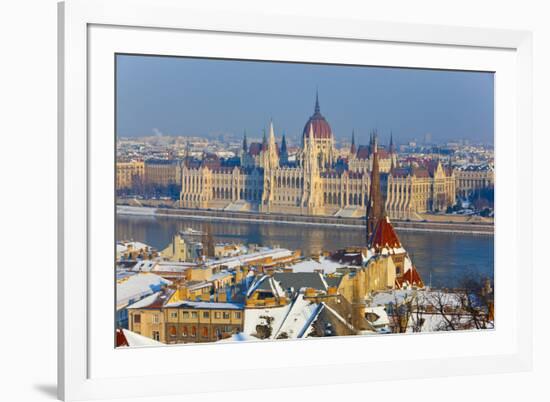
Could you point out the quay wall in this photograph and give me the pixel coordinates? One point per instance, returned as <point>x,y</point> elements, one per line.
<point>482,228</point>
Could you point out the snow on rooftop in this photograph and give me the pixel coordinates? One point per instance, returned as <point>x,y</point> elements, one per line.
<point>146,301</point>
<point>136,340</point>
<point>299,318</point>
<point>144,266</point>
<point>324,264</point>
<point>254,317</point>
<point>220,275</point>
<point>380,311</point>
<point>172,266</point>
<point>138,286</point>
<point>207,305</point>
<point>237,261</point>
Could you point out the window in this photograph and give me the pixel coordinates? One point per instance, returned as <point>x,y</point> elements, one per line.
<point>194,314</point>
<point>137,318</point>
<point>155,318</point>
<point>205,332</point>
<point>238,315</point>
<point>226,315</point>
<point>184,331</point>
<point>217,314</point>
<point>172,331</point>
<point>174,314</point>
<point>193,331</point>
<point>206,314</point>
<point>156,335</point>
<point>185,315</point>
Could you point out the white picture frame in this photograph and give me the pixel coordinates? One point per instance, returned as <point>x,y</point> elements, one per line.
<point>87,370</point>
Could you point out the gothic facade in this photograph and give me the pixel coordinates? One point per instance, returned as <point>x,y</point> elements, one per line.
<point>314,182</point>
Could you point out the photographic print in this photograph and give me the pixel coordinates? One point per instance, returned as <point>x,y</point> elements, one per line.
<point>265,201</point>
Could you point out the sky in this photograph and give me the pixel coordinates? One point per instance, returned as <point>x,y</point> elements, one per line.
<point>159,95</point>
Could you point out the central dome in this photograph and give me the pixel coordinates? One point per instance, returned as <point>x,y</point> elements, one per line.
<point>321,128</point>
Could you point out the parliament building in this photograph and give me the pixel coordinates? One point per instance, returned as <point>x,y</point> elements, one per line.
<point>317,181</point>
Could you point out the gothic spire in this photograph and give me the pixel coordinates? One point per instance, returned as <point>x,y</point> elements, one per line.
<point>284,152</point>
<point>186,157</point>
<point>353,149</point>
<point>245,143</point>
<point>317,108</point>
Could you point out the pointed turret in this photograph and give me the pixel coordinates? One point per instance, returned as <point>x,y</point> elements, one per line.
<point>317,107</point>
<point>186,159</point>
<point>245,143</point>
<point>353,149</point>
<point>284,152</point>
<point>269,152</point>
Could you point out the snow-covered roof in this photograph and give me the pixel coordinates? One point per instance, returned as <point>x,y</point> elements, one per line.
<point>138,286</point>
<point>323,265</point>
<point>206,305</point>
<point>266,282</point>
<point>380,311</point>
<point>237,261</point>
<point>145,302</point>
<point>299,319</point>
<point>125,245</point>
<point>144,266</point>
<point>219,275</point>
<point>136,340</point>
<point>172,266</point>
<point>254,317</point>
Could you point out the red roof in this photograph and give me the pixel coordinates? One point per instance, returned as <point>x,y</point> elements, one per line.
<point>321,128</point>
<point>384,236</point>
<point>412,277</point>
<point>255,148</point>
<point>121,338</point>
<point>383,154</point>
<point>363,152</point>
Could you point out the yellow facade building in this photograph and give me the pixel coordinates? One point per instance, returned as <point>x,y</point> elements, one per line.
<point>129,174</point>
<point>185,321</point>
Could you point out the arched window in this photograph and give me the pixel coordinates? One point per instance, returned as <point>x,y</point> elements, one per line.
<point>205,332</point>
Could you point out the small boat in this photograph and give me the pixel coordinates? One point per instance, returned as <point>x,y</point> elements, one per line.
<point>191,232</point>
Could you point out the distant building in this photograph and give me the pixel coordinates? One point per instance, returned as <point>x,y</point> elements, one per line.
<point>419,189</point>
<point>162,173</point>
<point>474,177</point>
<point>315,182</point>
<point>182,249</point>
<point>129,175</point>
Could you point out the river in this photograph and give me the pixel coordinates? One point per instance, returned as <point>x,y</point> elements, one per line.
<point>442,259</point>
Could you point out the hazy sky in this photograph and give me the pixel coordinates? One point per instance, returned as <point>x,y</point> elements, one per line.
<point>186,96</point>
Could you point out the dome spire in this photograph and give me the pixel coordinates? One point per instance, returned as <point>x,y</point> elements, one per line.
<point>317,108</point>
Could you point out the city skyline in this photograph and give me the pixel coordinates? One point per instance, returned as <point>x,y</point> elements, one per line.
<point>212,97</point>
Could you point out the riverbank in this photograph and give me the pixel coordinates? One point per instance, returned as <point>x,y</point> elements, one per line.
<point>352,223</point>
